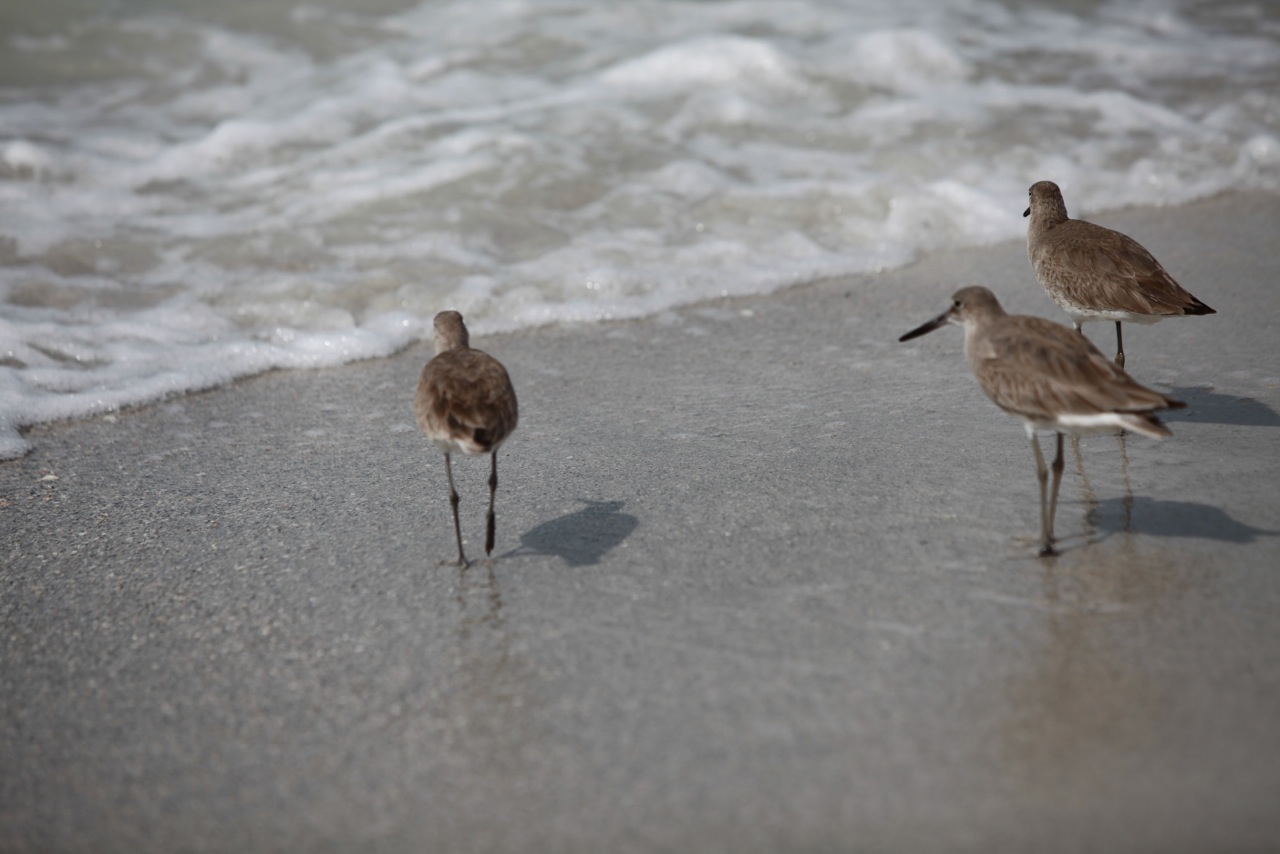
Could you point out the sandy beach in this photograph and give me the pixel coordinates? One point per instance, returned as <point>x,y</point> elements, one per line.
<point>765,581</point>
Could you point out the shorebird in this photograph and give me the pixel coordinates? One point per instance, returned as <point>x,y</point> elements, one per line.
<point>1049,377</point>
<point>466,404</point>
<point>1094,273</point>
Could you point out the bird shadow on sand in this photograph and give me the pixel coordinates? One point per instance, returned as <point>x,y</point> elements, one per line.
<point>1130,514</point>
<point>1213,408</point>
<point>1187,519</point>
<point>580,538</point>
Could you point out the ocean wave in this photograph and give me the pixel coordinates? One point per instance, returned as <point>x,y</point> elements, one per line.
<point>188,200</point>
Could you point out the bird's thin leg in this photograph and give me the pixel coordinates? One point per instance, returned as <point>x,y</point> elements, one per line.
<point>1119,346</point>
<point>1079,327</point>
<point>453,500</point>
<point>491,523</point>
<point>1058,465</point>
<point>1042,474</point>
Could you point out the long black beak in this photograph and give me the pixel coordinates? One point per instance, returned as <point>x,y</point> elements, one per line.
<point>1027,212</point>
<point>940,320</point>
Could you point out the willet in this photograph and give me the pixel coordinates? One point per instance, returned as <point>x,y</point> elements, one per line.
<point>1051,378</point>
<point>465,403</point>
<point>1094,273</point>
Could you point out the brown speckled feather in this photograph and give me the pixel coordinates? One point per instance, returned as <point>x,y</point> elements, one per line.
<point>465,398</point>
<point>1046,374</point>
<point>1040,370</point>
<point>1089,270</point>
<point>1088,265</point>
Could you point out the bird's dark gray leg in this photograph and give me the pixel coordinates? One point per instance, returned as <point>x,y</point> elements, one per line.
<point>1042,474</point>
<point>1119,346</point>
<point>453,500</point>
<point>1058,465</point>
<point>491,524</point>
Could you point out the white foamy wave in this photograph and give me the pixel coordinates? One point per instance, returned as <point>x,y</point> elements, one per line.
<point>905,61</point>
<point>188,200</point>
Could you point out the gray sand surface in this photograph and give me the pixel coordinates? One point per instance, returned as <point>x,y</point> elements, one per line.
<point>767,582</point>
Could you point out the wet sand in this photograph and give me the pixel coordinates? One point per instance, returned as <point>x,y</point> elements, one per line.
<point>767,582</point>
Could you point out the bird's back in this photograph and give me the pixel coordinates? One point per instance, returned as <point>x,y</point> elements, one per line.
<point>1052,376</point>
<point>465,401</point>
<point>1093,271</point>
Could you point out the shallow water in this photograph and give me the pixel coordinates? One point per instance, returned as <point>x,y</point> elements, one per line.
<point>194,192</point>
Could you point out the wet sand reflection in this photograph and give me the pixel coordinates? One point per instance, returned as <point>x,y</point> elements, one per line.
<point>1090,704</point>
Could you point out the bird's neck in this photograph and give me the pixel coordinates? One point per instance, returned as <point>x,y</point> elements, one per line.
<point>977,344</point>
<point>446,343</point>
<point>1045,218</point>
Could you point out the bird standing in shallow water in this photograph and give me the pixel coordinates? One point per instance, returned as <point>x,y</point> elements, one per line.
<point>1094,273</point>
<point>465,403</point>
<point>1051,378</point>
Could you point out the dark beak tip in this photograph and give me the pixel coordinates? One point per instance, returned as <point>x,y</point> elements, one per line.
<point>1027,212</point>
<point>923,329</point>
<point>937,323</point>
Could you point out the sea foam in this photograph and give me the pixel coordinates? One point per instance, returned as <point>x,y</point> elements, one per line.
<point>185,200</point>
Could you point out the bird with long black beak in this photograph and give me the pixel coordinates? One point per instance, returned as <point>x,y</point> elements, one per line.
<point>1052,379</point>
